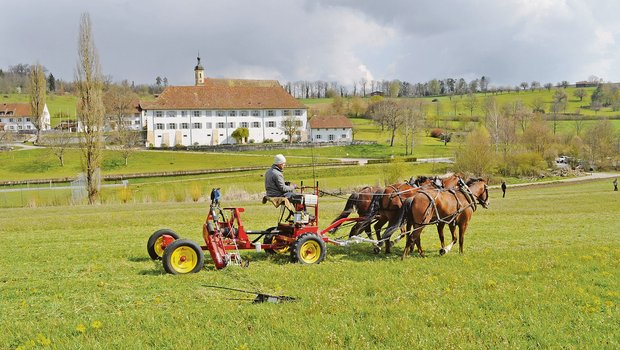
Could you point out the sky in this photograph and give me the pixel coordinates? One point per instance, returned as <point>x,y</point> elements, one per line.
<point>507,41</point>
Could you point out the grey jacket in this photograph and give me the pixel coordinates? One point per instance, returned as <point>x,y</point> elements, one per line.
<point>274,183</point>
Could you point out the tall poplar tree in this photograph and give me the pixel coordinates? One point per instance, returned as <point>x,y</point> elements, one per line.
<point>90,110</point>
<point>37,91</point>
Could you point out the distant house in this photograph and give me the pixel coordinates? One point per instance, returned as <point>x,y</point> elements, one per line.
<point>376,93</point>
<point>17,117</point>
<point>209,112</point>
<point>335,128</point>
<point>585,84</point>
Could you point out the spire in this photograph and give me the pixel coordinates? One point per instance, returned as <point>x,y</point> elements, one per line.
<point>199,72</point>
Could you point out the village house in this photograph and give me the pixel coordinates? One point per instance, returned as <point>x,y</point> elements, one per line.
<point>335,128</point>
<point>210,111</point>
<point>16,117</point>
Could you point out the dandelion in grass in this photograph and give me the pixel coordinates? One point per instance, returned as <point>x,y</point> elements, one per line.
<point>81,328</point>
<point>43,340</point>
<point>96,324</point>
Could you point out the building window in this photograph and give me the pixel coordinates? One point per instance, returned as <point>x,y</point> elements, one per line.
<point>232,113</point>
<point>318,137</point>
<point>220,125</point>
<point>231,124</point>
<point>244,113</point>
<point>298,112</point>
<point>271,113</point>
<point>271,124</point>
<point>256,124</point>
<point>331,137</point>
<point>27,119</point>
<point>159,114</point>
<point>28,127</point>
<point>286,112</point>
<point>159,126</point>
<point>184,125</point>
<point>19,127</point>
<point>298,123</point>
<point>255,113</point>
<point>172,126</point>
<point>196,113</point>
<point>197,125</point>
<point>208,125</point>
<point>220,113</point>
<point>183,113</point>
<point>244,124</point>
<point>208,113</point>
<point>343,136</point>
<point>171,114</point>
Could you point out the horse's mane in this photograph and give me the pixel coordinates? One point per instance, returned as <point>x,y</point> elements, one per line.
<point>473,180</point>
<point>445,176</point>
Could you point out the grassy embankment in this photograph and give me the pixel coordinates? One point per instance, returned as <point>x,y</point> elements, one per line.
<point>533,275</point>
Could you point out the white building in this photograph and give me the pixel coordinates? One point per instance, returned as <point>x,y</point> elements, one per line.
<point>336,128</point>
<point>209,112</point>
<point>17,117</point>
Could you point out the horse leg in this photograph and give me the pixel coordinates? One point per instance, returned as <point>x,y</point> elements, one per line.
<point>440,227</point>
<point>418,240</point>
<point>462,229</point>
<point>449,247</point>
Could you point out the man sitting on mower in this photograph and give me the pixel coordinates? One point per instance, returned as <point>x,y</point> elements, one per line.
<point>278,191</point>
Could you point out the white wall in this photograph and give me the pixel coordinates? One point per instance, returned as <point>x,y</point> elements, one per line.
<point>338,135</point>
<point>211,132</point>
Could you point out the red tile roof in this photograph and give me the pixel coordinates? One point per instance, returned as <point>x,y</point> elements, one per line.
<point>330,122</point>
<point>225,94</point>
<point>19,109</point>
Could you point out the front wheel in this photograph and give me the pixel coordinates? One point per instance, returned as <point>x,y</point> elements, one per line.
<point>270,238</point>
<point>183,256</point>
<point>156,243</point>
<point>308,249</point>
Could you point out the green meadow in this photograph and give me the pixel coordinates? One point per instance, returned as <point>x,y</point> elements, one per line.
<point>540,270</point>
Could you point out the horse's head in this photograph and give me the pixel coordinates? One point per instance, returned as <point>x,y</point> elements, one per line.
<point>420,181</point>
<point>480,190</point>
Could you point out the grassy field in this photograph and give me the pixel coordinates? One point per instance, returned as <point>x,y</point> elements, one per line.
<point>533,275</point>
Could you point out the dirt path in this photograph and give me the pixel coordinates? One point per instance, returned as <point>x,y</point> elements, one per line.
<point>590,176</point>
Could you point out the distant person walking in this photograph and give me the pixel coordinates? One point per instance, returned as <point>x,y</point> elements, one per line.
<point>616,184</point>
<point>503,189</point>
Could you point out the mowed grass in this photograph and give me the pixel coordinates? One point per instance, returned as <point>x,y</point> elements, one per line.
<point>539,271</point>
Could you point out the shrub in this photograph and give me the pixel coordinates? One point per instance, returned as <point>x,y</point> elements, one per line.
<point>124,194</point>
<point>195,192</point>
<point>436,133</point>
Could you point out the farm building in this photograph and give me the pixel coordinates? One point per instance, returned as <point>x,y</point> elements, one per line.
<point>210,112</point>
<point>18,117</point>
<point>336,128</point>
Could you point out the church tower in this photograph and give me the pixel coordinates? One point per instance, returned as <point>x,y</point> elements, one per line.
<point>199,73</point>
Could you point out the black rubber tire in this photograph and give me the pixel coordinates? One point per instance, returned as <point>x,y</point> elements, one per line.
<point>180,247</point>
<point>308,249</point>
<point>150,245</point>
<point>268,239</point>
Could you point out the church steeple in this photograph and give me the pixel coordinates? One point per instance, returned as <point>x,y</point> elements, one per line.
<point>199,73</point>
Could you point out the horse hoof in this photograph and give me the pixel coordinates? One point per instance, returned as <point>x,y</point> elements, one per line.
<point>442,251</point>
<point>376,250</point>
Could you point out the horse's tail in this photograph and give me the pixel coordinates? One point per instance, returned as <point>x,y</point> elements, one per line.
<point>373,209</point>
<point>404,209</point>
<point>349,206</point>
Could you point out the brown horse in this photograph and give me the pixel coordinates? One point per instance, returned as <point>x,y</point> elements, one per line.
<point>388,205</point>
<point>360,201</point>
<point>441,207</point>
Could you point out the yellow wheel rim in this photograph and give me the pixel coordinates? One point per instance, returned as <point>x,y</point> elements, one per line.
<point>183,259</point>
<point>280,250</point>
<point>159,246</point>
<point>310,252</point>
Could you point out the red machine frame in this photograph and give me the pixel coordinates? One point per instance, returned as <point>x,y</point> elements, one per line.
<point>225,235</point>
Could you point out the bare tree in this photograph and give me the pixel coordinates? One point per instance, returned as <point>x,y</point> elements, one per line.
<point>90,110</point>
<point>291,126</point>
<point>388,113</point>
<point>119,102</point>
<point>58,142</point>
<point>475,155</point>
<point>580,93</point>
<point>412,117</point>
<point>471,102</point>
<point>37,91</point>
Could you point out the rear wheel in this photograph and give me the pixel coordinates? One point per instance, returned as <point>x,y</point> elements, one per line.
<point>270,238</point>
<point>308,249</point>
<point>155,245</point>
<point>183,256</point>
